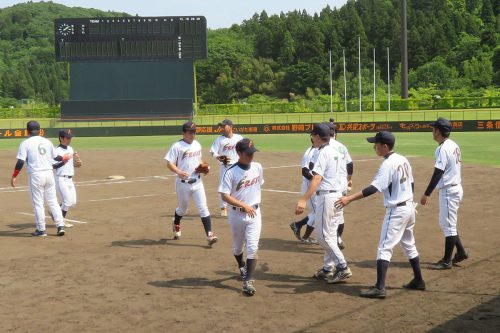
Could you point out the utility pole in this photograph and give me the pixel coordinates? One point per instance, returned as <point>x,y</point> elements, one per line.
<point>404,52</point>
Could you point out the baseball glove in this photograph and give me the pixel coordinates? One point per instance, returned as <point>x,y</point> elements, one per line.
<point>203,168</point>
<point>224,159</point>
<point>77,162</point>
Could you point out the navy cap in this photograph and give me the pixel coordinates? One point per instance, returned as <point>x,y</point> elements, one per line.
<point>189,126</point>
<point>246,146</point>
<point>383,137</point>
<point>33,126</point>
<point>332,120</point>
<point>66,133</point>
<point>226,122</point>
<point>442,124</point>
<point>321,129</point>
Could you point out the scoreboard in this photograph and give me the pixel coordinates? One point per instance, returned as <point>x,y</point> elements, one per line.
<point>131,38</point>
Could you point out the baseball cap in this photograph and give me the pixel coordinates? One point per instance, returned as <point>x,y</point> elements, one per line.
<point>189,126</point>
<point>32,126</point>
<point>442,124</point>
<point>246,146</point>
<point>226,122</point>
<point>66,133</point>
<point>321,129</point>
<point>383,137</point>
<point>332,120</point>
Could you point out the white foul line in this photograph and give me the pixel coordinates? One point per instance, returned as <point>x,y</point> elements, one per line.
<point>129,197</point>
<point>75,221</point>
<point>279,191</point>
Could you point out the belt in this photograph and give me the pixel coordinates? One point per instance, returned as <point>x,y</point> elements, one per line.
<point>190,180</point>
<point>400,204</point>
<point>325,191</point>
<point>241,209</point>
<point>66,176</point>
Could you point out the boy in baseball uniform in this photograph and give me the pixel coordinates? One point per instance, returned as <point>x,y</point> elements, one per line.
<point>395,180</point>
<point>39,153</point>
<point>183,158</point>
<point>447,178</point>
<point>223,150</point>
<point>327,185</point>
<point>64,173</point>
<point>240,188</point>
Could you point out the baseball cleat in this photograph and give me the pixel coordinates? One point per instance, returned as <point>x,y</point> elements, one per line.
<point>309,241</point>
<point>60,231</point>
<point>340,276</point>
<point>321,274</point>
<point>373,292</point>
<point>296,231</point>
<point>415,285</point>
<point>441,265</point>
<point>39,233</point>
<point>177,231</point>
<point>248,288</point>
<point>459,257</point>
<point>211,238</point>
<point>223,212</point>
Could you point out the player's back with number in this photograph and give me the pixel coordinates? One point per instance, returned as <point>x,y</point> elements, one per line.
<point>448,159</point>
<point>394,179</point>
<point>37,152</point>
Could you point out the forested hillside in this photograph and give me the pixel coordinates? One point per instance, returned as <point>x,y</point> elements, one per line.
<point>453,50</point>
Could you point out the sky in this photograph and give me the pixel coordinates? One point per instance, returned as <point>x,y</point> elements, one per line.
<point>219,13</point>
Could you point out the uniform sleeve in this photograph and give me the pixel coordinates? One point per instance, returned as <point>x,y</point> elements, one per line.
<point>22,152</point>
<point>261,170</point>
<point>441,158</point>
<point>172,154</point>
<point>383,177</point>
<point>305,158</point>
<point>214,150</point>
<point>225,183</point>
<point>320,165</point>
<point>348,158</point>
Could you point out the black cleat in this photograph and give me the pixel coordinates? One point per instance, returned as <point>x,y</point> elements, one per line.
<point>415,285</point>
<point>459,257</point>
<point>373,292</point>
<point>296,231</point>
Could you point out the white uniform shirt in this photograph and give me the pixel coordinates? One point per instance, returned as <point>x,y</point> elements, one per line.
<point>67,169</point>
<point>345,157</point>
<point>307,160</point>
<point>226,146</point>
<point>37,152</point>
<point>185,156</point>
<point>327,166</point>
<point>243,185</point>
<point>394,179</point>
<point>448,159</point>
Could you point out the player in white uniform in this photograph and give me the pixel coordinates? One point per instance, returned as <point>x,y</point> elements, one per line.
<point>64,173</point>
<point>447,178</point>
<point>38,153</point>
<point>395,180</point>
<point>223,150</point>
<point>240,188</point>
<point>327,185</point>
<point>183,158</point>
<point>307,165</point>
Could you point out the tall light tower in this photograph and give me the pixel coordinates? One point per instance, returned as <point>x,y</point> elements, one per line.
<point>404,52</point>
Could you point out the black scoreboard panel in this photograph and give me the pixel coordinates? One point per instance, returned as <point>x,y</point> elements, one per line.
<point>131,38</point>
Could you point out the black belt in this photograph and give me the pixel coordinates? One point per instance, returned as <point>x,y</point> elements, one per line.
<point>325,191</point>
<point>401,204</point>
<point>190,180</point>
<point>66,176</point>
<point>241,209</point>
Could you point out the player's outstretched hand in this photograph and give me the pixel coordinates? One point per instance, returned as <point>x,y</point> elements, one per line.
<point>423,200</point>
<point>342,202</point>
<point>13,182</point>
<point>300,207</point>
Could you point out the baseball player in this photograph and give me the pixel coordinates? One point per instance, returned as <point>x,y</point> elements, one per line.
<point>38,153</point>
<point>395,180</point>
<point>64,173</point>
<point>447,178</point>
<point>183,158</point>
<point>240,188</point>
<point>223,150</point>
<point>327,185</point>
<point>307,166</point>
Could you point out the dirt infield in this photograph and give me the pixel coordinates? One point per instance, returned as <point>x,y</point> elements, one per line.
<point>118,269</point>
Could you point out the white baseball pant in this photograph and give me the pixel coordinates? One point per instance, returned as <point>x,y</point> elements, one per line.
<point>66,190</point>
<point>245,229</point>
<point>449,202</point>
<point>42,187</point>
<point>185,191</point>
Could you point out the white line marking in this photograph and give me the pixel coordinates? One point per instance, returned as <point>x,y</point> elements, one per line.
<point>75,221</point>
<point>129,197</point>
<point>279,191</point>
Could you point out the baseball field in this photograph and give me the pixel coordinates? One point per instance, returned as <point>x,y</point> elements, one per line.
<point>119,270</point>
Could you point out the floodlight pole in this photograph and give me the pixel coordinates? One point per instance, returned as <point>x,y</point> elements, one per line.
<point>404,52</point>
<point>388,83</point>
<point>374,83</point>
<point>331,84</point>
<point>345,84</point>
<point>359,71</point>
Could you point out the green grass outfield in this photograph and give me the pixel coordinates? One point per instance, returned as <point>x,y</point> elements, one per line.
<point>477,147</point>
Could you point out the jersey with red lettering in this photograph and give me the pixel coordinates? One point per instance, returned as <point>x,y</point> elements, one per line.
<point>243,182</point>
<point>67,169</point>
<point>185,156</point>
<point>224,145</point>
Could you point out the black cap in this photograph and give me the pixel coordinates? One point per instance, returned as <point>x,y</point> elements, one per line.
<point>189,126</point>
<point>383,137</point>
<point>226,122</point>
<point>442,124</point>
<point>333,128</point>
<point>66,133</point>
<point>32,126</point>
<point>321,129</point>
<point>332,120</point>
<point>246,146</point>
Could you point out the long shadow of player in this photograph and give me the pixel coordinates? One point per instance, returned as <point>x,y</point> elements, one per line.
<point>16,230</point>
<point>138,243</point>
<point>195,283</point>
<point>285,245</point>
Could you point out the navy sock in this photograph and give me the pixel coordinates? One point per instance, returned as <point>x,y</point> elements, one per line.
<point>415,265</point>
<point>340,229</point>
<point>301,223</point>
<point>239,259</point>
<point>177,219</point>
<point>382,267</point>
<point>64,212</point>
<point>251,263</point>
<point>459,246</point>
<point>449,245</point>
<point>308,232</point>
<point>207,224</point>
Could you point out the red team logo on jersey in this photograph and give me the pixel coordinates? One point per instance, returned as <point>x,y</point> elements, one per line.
<point>228,146</point>
<point>188,153</point>
<point>243,183</point>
